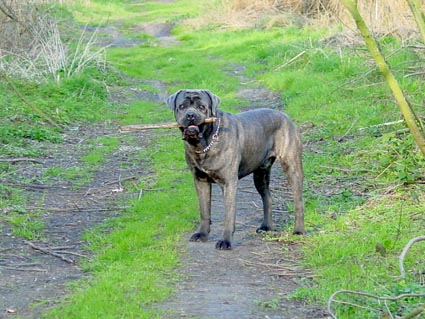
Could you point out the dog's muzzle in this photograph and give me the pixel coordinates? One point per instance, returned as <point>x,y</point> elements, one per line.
<point>192,133</point>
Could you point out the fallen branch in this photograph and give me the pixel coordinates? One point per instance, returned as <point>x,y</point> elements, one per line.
<point>382,125</point>
<point>365,294</point>
<point>49,252</point>
<point>290,61</point>
<point>415,312</point>
<point>20,159</point>
<point>33,107</point>
<point>141,127</point>
<point>24,269</point>
<point>404,252</point>
<point>410,315</point>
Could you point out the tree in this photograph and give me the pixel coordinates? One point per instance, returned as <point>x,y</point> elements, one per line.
<point>412,121</point>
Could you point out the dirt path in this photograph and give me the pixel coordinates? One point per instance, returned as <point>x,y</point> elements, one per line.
<point>251,281</point>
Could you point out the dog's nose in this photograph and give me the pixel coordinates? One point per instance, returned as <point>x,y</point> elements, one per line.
<point>190,116</point>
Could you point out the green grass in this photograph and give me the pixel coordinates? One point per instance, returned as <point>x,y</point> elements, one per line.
<point>25,224</point>
<point>100,148</point>
<point>344,255</point>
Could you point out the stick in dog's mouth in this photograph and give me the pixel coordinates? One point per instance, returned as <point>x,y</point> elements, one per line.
<point>141,127</point>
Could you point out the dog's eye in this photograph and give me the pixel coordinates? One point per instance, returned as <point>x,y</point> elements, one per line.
<point>202,107</point>
<point>181,107</point>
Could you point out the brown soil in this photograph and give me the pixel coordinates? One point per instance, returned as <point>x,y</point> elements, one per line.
<point>251,281</point>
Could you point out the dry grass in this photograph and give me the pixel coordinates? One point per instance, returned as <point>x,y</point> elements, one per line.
<point>32,45</point>
<point>383,16</point>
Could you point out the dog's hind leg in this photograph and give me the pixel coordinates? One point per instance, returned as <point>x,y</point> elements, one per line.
<point>261,182</point>
<point>292,165</point>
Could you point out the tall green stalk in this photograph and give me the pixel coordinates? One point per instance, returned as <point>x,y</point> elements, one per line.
<point>415,7</point>
<point>410,117</point>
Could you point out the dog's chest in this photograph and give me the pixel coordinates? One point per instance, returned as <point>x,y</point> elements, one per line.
<point>204,167</point>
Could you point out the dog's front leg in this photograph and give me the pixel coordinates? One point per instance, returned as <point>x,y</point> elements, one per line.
<point>203,189</point>
<point>229,198</point>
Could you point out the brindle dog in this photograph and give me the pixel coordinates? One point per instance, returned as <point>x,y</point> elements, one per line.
<point>234,147</point>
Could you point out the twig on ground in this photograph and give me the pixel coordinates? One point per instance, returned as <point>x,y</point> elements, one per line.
<point>33,107</point>
<point>119,180</point>
<point>20,159</point>
<point>24,269</point>
<point>365,294</point>
<point>347,170</point>
<point>73,253</point>
<point>290,61</point>
<point>76,209</point>
<point>381,125</point>
<point>280,270</point>
<point>49,252</point>
<point>404,252</point>
<point>415,312</point>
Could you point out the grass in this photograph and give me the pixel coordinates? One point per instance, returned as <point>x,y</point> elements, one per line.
<point>363,186</point>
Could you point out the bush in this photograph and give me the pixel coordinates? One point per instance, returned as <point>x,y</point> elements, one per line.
<point>32,45</point>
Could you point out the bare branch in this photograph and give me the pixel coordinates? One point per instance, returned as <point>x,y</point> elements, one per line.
<point>404,252</point>
<point>365,294</point>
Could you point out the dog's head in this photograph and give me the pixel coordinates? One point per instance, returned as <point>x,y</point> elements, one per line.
<point>192,107</point>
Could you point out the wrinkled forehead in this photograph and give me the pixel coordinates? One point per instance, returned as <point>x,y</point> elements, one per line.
<point>192,96</point>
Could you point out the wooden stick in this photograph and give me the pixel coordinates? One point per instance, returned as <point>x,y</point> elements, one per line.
<point>49,252</point>
<point>141,127</point>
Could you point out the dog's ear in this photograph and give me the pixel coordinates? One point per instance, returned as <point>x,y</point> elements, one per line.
<point>215,101</point>
<point>171,100</point>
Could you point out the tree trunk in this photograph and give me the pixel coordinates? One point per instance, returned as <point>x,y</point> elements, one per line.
<point>410,118</point>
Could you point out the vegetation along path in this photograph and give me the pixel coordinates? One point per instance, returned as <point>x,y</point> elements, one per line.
<point>95,223</point>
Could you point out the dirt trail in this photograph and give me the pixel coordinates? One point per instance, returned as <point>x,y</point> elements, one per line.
<point>251,281</point>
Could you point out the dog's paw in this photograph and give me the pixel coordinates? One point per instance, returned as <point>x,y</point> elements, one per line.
<point>223,245</point>
<point>199,237</point>
<point>298,232</point>
<point>263,229</point>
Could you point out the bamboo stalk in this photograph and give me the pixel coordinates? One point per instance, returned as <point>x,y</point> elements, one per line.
<point>142,127</point>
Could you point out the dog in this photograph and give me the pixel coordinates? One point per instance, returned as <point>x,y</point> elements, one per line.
<point>231,148</point>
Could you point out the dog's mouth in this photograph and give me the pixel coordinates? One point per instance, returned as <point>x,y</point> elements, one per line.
<point>192,133</point>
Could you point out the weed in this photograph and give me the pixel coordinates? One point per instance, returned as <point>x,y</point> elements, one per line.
<point>399,160</point>
<point>272,304</point>
<point>24,224</point>
<point>100,147</point>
